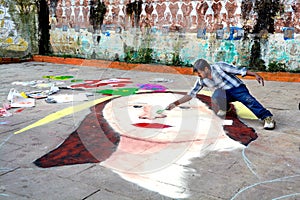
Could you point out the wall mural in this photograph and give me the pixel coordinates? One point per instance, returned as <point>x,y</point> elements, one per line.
<point>172,32</point>
<point>186,29</point>
<point>10,38</point>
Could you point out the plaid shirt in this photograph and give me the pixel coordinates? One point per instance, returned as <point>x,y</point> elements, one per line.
<point>223,76</point>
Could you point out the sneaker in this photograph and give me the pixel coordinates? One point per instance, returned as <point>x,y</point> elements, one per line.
<point>269,123</point>
<point>221,113</point>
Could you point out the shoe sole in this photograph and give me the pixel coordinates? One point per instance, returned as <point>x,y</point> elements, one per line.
<point>267,128</point>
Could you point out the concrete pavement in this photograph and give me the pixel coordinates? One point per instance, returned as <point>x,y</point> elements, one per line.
<point>269,168</point>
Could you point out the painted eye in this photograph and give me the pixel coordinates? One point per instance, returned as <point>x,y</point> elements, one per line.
<point>184,107</point>
<point>137,106</point>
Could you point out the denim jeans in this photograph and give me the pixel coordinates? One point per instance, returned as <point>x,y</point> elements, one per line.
<point>223,97</point>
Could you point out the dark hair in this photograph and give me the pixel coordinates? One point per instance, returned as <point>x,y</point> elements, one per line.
<point>200,64</point>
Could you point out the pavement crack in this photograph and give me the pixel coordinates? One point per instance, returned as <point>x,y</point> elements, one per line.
<point>9,171</point>
<point>278,108</point>
<point>232,165</point>
<point>86,169</point>
<point>91,194</point>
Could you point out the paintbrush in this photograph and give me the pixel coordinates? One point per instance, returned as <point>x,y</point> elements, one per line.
<point>160,111</point>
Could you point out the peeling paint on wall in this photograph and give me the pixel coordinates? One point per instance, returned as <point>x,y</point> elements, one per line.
<point>132,28</point>
<point>18,28</point>
<point>10,39</point>
<point>173,32</point>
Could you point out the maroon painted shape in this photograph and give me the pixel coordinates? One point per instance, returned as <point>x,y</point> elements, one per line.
<point>238,131</point>
<point>94,140</point>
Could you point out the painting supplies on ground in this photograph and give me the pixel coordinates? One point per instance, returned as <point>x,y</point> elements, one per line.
<point>65,98</point>
<point>17,100</point>
<point>42,94</point>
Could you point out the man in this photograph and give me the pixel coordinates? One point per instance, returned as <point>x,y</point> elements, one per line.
<point>228,88</point>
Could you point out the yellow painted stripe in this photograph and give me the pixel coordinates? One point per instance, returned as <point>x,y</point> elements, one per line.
<point>67,111</point>
<point>242,111</point>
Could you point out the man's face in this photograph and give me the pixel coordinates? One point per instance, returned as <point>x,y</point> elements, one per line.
<point>204,73</point>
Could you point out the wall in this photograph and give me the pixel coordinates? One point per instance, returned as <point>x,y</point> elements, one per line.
<point>17,28</point>
<point>175,32</point>
<point>170,32</point>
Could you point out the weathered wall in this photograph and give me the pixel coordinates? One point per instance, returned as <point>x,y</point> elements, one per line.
<point>175,32</point>
<point>17,28</point>
<point>170,32</point>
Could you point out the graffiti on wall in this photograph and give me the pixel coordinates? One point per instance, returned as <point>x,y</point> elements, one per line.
<point>185,30</point>
<point>10,39</point>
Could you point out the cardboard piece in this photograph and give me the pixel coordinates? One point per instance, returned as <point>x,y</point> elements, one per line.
<point>21,102</point>
<point>64,98</point>
<point>18,101</point>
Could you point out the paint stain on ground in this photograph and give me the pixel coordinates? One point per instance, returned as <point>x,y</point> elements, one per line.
<point>154,87</point>
<point>114,82</point>
<point>102,140</point>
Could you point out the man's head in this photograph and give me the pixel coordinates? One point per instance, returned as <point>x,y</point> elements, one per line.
<point>202,68</point>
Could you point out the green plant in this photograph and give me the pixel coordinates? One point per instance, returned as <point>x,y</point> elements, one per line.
<point>295,70</point>
<point>176,60</point>
<point>129,54</point>
<point>277,67</point>
<point>142,55</point>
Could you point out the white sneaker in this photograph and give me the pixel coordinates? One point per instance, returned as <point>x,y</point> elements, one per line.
<point>269,123</point>
<point>221,113</point>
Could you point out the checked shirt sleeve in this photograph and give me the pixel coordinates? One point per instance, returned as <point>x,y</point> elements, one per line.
<point>231,69</point>
<point>197,87</point>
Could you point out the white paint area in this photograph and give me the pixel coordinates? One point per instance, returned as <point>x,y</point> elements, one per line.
<point>158,159</point>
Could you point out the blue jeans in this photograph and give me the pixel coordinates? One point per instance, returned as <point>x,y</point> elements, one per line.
<point>223,97</point>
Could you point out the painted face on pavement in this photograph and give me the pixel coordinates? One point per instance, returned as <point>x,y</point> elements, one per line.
<point>153,150</point>
<point>154,147</point>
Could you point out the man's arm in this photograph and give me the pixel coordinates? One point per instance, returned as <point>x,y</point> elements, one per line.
<point>183,99</point>
<point>242,71</point>
<point>257,76</point>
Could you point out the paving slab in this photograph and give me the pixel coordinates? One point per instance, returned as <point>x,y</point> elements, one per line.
<point>268,168</point>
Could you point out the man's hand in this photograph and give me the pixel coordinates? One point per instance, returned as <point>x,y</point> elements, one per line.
<point>259,79</point>
<point>183,99</point>
<point>170,106</point>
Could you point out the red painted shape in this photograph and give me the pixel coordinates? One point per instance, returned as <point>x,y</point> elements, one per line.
<point>19,110</point>
<point>151,125</point>
<point>118,85</point>
<point>98,83</point>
